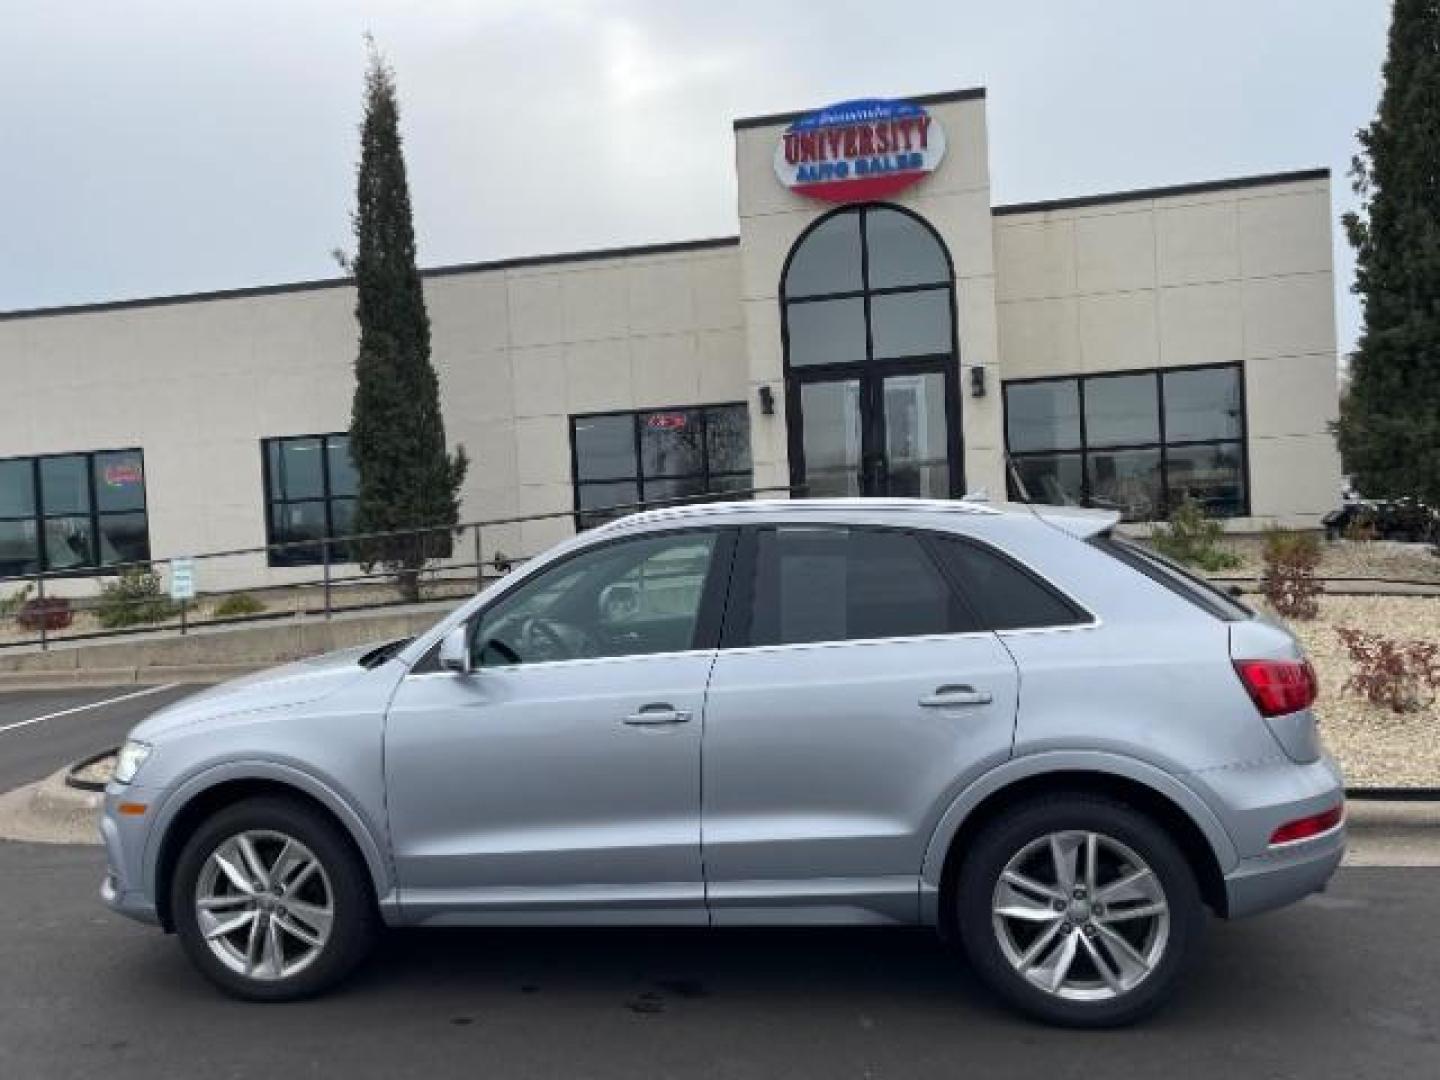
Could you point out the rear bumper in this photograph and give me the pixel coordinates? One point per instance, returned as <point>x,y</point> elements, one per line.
<point>1255,799</point>
<point>1283,875</point>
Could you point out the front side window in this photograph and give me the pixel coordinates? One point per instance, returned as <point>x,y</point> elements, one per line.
<point>73,512</point>
<point>626,459</point>
<point>631,598</point>
<point>1136,442</point>
<point>830,583</point>
<point>310,487</point>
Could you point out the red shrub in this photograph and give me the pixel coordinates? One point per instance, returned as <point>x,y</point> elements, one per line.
<point>1402,676</point>
<point>51,613</point>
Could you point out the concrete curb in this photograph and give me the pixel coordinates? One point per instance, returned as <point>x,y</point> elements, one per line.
<point>149,675</point>
<point>50,812</point>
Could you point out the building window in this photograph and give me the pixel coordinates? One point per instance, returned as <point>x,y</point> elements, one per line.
<point>310,486</point>
<point>622,459</point>
<point>1136,442</point>
<point>867,284</point>
<point>72,512</point>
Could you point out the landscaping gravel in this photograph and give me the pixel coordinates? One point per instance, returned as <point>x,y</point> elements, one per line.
<point>1343,558</point>
<point>1376,748</point>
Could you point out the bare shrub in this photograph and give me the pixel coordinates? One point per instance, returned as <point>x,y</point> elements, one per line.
<point>1402,676</point>
<point>1288,581</point>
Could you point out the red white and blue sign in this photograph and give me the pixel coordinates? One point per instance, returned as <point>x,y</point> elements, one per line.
<point>866,149</point>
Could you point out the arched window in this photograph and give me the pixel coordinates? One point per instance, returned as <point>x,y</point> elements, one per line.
<point>867,297</point>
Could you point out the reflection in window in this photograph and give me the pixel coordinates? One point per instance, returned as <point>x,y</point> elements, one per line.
<point>1138,443</point>
<point>831,437</point>
<point>632,598</point>
<point>827,332</point>
<point>310,486</point>
<point>72,512</point>
<point>867,283</point>
<point>829,260</point>
<point>1043,415</point>
<point>655,455</point>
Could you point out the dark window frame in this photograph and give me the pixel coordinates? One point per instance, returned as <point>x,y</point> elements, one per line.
<point>871,371</point>
<point>1163,446</point>
<point>38,515</point>
<point>287,555</point>
<point>705,476</point>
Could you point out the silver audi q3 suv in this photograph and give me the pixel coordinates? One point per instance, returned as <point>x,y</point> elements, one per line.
<point>1008,723</point>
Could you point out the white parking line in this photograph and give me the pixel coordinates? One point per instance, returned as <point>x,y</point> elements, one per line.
<point>91,705</point>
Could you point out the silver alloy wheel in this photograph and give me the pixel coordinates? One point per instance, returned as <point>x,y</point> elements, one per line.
<point>1081,916</point>
<point>264,905</point>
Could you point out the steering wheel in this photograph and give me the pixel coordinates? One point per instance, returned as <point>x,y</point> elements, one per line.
<point>540,631</point>
<point>509,655</point>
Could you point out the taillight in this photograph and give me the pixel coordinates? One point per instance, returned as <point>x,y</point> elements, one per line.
<point>1306,827</point>
<point>1279,686</point>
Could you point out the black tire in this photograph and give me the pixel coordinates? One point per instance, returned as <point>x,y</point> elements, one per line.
<point>1002,839</point>
<point>355,921</point>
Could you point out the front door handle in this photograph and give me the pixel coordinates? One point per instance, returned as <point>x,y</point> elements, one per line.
<point>657,715</point>
<point>946,697</point>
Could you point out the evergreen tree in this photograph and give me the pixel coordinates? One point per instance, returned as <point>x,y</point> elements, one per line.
<point>1390,419</point>
<point>407,480</point>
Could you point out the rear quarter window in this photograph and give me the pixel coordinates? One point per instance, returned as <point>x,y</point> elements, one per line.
<point>1004,594</point>
<point>1172,576</point>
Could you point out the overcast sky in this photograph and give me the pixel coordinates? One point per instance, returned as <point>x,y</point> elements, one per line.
<point>158,146</point>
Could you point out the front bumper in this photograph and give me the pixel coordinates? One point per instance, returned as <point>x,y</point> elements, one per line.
<point>123,888</point>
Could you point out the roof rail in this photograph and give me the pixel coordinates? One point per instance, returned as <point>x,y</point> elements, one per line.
<point>756,506</point>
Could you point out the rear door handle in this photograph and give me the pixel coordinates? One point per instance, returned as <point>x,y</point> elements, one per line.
<point>946,697</point>
<point>657,715</point>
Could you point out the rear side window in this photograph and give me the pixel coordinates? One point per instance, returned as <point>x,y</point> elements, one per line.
<point>1173,576</point>
<point>1005,595</point>
<point>837,584</point>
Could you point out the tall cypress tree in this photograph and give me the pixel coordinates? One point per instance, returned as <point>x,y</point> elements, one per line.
<point>1390,419</point>
<point>407,480</point>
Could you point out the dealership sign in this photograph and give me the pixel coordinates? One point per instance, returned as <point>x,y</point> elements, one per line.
<point>865,149</point>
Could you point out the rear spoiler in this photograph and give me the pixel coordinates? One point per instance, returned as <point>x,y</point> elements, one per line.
<point>1077,521</point>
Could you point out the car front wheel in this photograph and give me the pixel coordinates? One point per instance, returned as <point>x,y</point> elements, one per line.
<point>271,902</point>
<point>1078,910</point>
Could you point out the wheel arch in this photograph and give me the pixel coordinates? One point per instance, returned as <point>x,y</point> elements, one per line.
<point>1201,837</point>
<point>222,786</point>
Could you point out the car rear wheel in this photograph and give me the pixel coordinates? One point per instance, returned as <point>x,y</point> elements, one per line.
<point>270,901</point>
<point>1078,910</point>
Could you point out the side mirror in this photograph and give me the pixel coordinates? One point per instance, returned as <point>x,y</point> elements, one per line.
<point>455,650</point>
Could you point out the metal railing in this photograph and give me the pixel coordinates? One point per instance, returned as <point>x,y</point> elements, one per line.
<point>43,612</point>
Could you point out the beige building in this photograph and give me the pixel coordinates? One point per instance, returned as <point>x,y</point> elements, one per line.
<point>878,326</point>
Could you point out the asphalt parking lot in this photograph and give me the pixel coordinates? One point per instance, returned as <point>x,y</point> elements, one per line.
<point>1343,985</point>
<point>43,730</point>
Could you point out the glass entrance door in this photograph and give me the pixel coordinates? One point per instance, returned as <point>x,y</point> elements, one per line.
<point>871,358</point>
<point>916,436</point>
<point>875,434</point>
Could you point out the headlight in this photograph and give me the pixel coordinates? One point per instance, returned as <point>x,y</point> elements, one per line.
<point>127,763</point>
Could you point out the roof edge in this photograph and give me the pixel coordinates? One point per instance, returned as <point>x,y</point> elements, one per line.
<point>1202,187</point>
<point>944,98</point>
<point>593,255</point>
